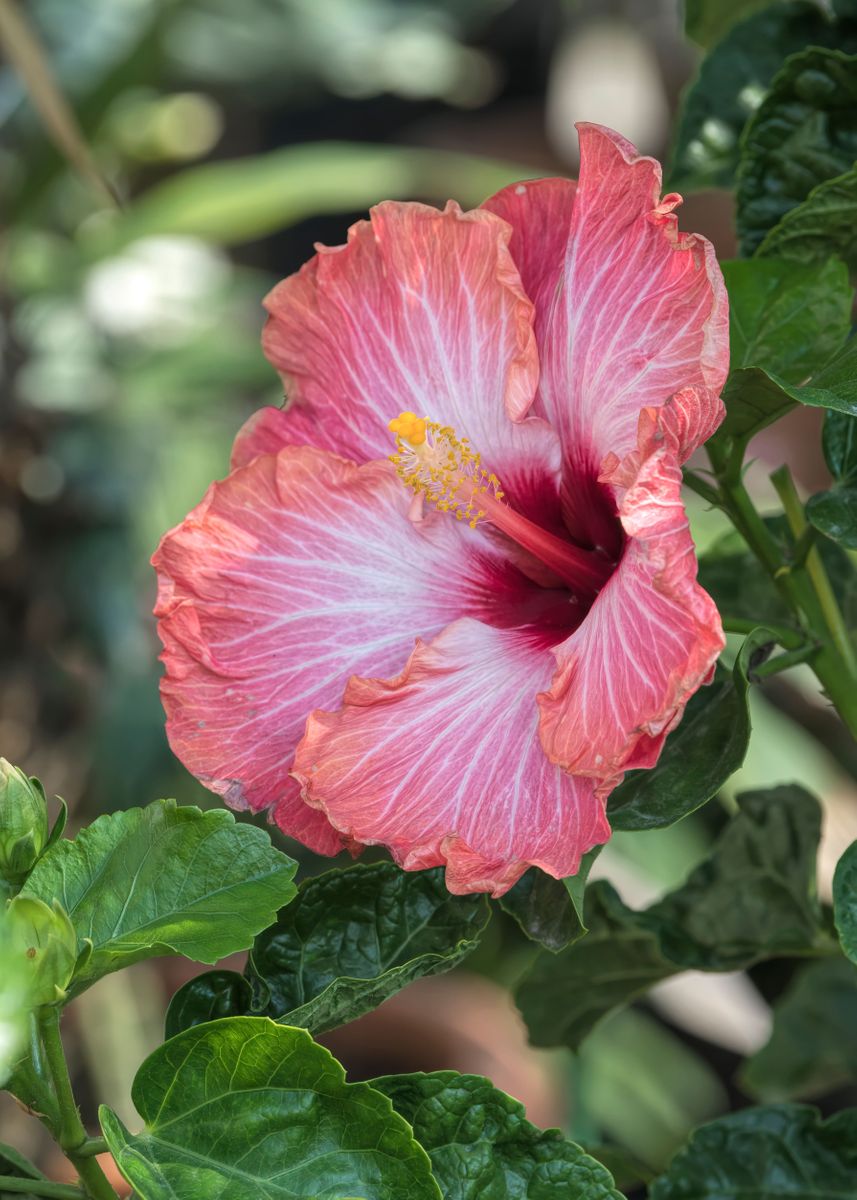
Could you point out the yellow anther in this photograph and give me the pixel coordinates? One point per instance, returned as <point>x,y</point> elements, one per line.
<point>410,427</point>
<point>432,460</point>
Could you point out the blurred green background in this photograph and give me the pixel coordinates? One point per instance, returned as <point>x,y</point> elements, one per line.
<point>235,135</point>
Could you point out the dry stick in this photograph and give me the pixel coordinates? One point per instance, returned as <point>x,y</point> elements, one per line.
<point>25,52</point>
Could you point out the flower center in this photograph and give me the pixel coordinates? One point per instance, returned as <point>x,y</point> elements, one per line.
<point>434,462</point>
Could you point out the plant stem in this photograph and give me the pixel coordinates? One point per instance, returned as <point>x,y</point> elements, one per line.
<point>71,1134</point>
<point>787,492</point>
<point>96,1145</point>
<point>834,661</point>
<point>40,1187</point>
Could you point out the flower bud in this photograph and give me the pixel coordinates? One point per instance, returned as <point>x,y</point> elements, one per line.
<point>23,822</point>
<point>45,941</point>
<point>14,1002</point>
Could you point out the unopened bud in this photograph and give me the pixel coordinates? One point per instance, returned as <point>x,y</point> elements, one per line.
<point>44,940</point>
<point>23,822</point>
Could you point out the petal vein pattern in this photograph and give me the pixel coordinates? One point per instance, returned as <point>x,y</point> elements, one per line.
<point>633,312</point>
<point>653,635</point>
<point>293,574</point>
<point>420,310</point>
<point>443,764</point>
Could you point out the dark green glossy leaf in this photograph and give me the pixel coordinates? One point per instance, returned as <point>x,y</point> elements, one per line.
<point>541,906</point>
<point>739,585</point>
<point>755,896</point>
<point>786,317</point>
<point>839,442</point>
<point>246,1108</point>
<point>353,938</point>
<point>813,1044</point>
<point>482,1147</point>
<point>564,996</point>
<point>804,131</point>
<point>550,911</point>
<point>834,514</point>
<point>766,1154</point>
<point>164,880</point>
<point>824,224</point>
<point>706,21</point>
<point>734,78</point>
<point>755,398</point>
<point>208,997</point>
<point>845,901</point>
<point>699,756</point>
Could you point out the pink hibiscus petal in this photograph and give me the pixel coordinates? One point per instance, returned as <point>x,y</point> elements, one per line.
<point>636,311</point>
<point>443,763</point>
<point>653,635</point>
<point>294,573</point>
<point>420,311</point>
<point>265,432</point>
<point>539,211</point>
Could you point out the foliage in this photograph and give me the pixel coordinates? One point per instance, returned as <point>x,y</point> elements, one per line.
<point>135,405</point>
<point>248,1105</point>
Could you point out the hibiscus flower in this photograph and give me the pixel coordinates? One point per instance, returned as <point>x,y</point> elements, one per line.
<point>458,653</point>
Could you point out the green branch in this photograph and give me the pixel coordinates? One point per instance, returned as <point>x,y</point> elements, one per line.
<point>71,1134</point>
<point>787,492</point>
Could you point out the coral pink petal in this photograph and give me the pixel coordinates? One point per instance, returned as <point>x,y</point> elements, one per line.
<point>443,764</point>
<point>267,431</point>
<point>639,312</point>
<point>420,311</point>
<point>539,211</point>
<point>294,573</point>
<point>653,635</point>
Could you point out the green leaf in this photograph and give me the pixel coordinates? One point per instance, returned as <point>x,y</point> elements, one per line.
<point>834,514</point>
<point>353,938</point>
<point>739,585</point>
<point>804,131</point>
<point>207,998</point>
<point>755,398</point>
<point>839,442</point>
<point>245,1108</point>
<point>845,901</point>
<point>163,880</point>
<point>482,1146</point>
<point>825,224</point>
<point>786,317</point>
<point>246,198</point>
<point>755,896</point>
<point>575,885</point>
<point>706,21</point>
<point>765,1154</point>
<point>564,996</point>
<point>700,755</point>
<point>550,911</point>
<point>542,908</point>
<point>734,78</point>
<point>12,1162</point>
<point>813,1043</point>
